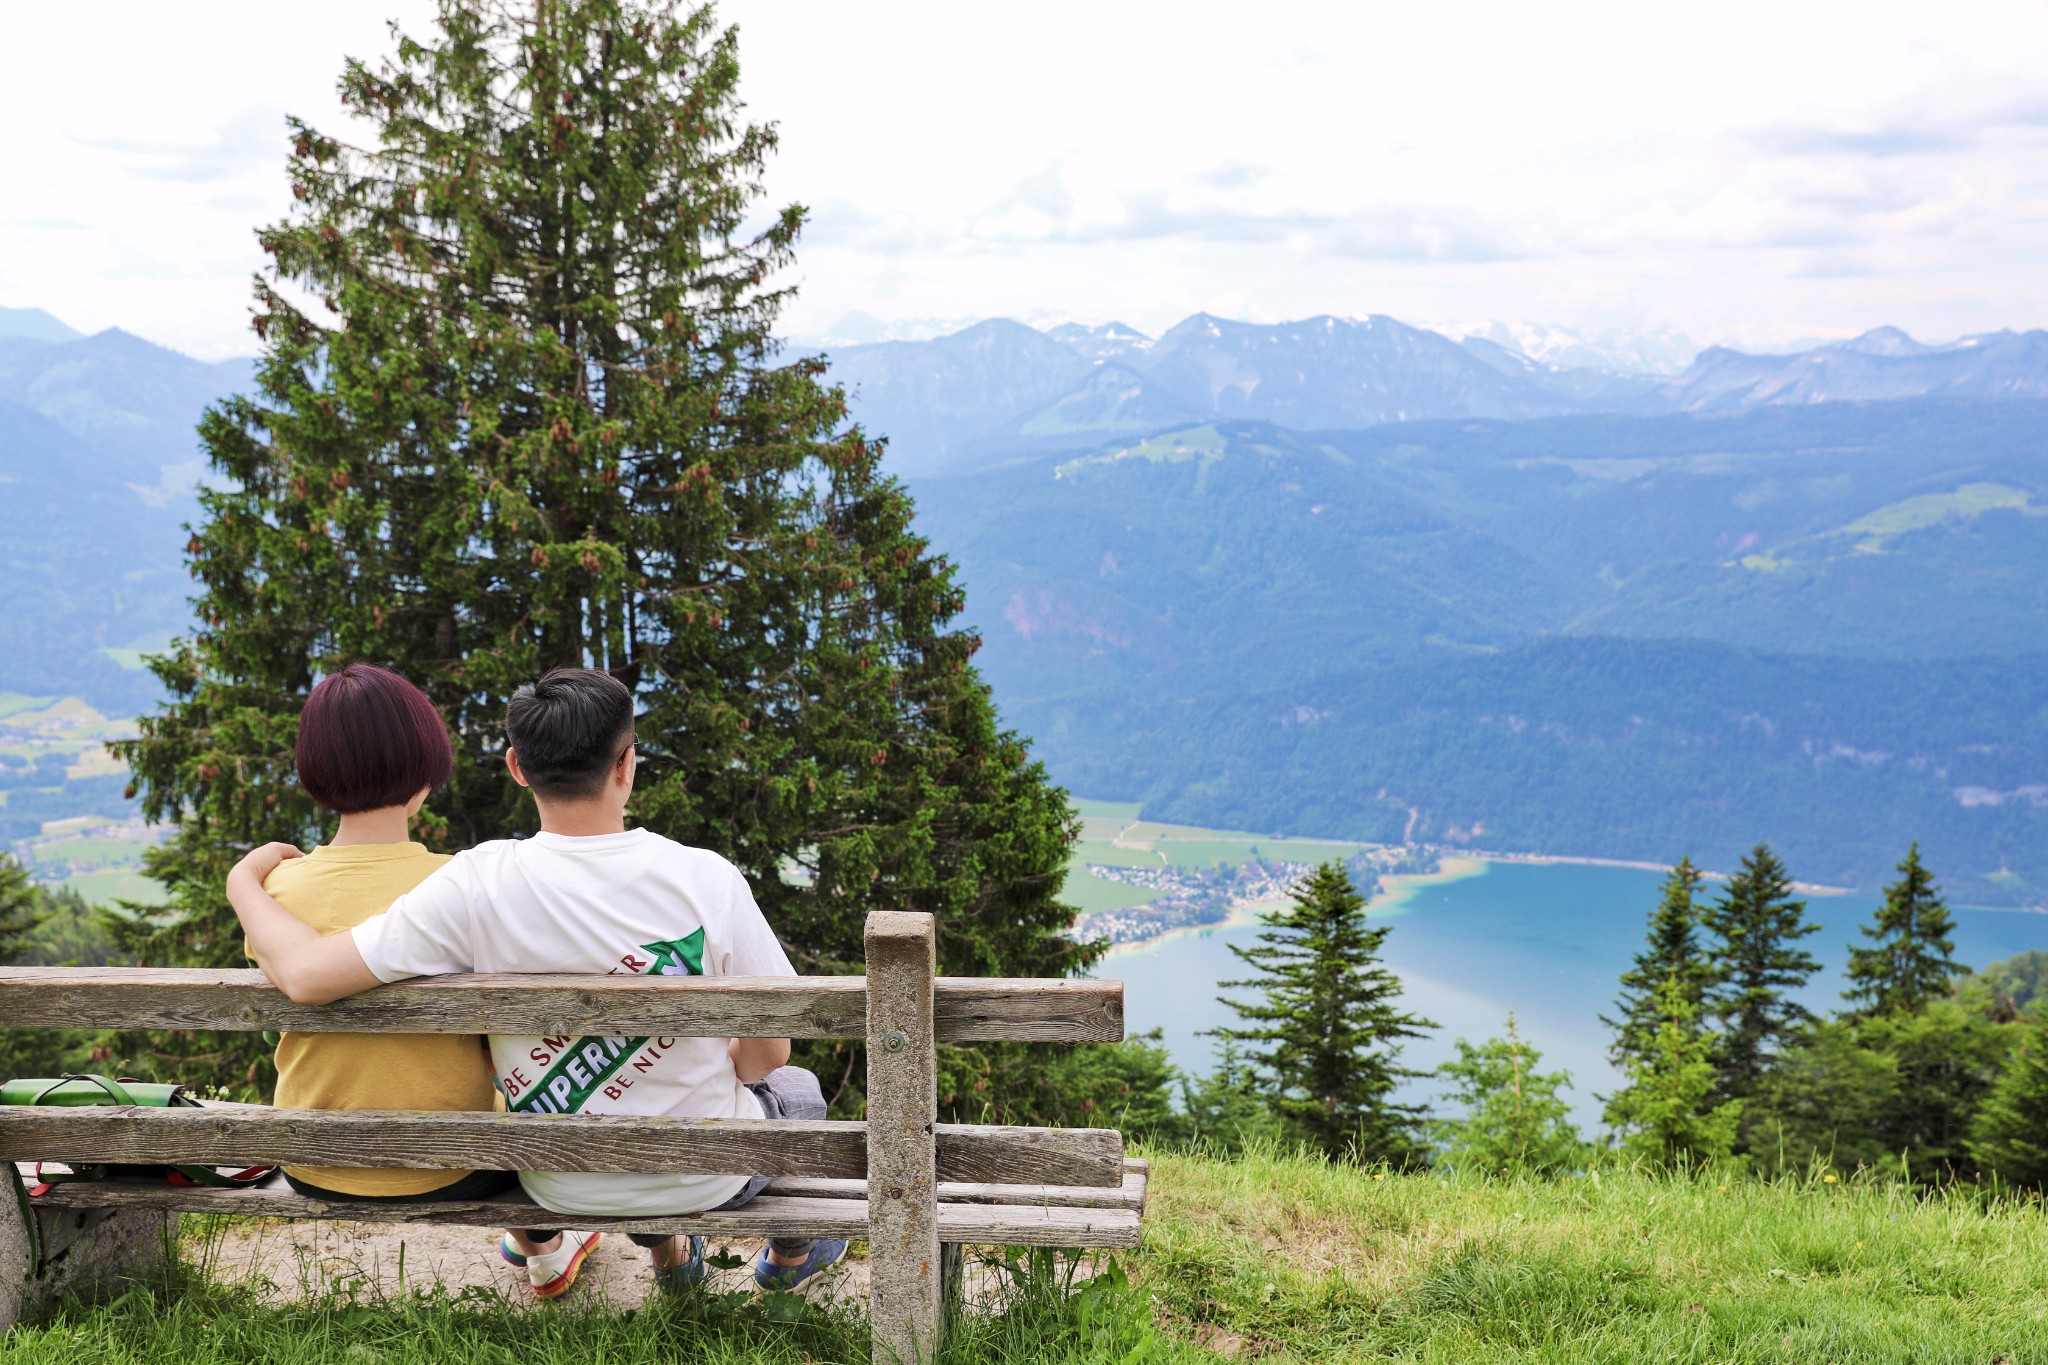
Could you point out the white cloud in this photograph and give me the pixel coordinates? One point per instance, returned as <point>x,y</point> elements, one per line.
<point>1763,172</point>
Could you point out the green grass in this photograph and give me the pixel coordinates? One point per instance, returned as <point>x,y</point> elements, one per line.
<point>95,851</point>
<point>116,884</point>
<point>1087,892</point>
<point>1874,532</point>
<point>1276,1257</point>
<point>1203,443</point>
<point>1931,509</point>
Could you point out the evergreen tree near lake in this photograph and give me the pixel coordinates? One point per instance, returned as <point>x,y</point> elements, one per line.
<point>1673,950</point>
<point>1666,1111</point>
<point>531,413</point>
<point>1323,1039</point>
<point>1514,1117</point>
<point>1913,958</point>
<point>2009,1133</point>
<point>1757,924</point>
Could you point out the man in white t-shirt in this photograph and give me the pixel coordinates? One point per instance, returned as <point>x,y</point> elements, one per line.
<point>584,895</point>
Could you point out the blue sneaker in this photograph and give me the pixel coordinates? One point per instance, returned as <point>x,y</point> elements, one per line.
<point>769,1275</point>
<point>677,1278</point>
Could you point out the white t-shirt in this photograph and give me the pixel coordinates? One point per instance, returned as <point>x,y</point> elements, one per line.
<point>608,903</point>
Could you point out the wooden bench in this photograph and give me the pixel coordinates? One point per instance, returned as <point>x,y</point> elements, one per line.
<point>915,1188</point>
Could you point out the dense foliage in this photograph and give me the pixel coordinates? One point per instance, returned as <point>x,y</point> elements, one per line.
<point>1669,1111</point>
<point>537,418</point>
<point>1322,1039</point>
<point>1513,1116</point>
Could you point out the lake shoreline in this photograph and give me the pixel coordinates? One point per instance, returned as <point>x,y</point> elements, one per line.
<point>1396,890</point>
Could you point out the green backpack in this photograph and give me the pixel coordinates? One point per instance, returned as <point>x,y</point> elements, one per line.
<point>75,1089</point>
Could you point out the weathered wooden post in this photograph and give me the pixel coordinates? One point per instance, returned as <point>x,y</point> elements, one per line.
<point>47,1254</point>
<point>903,1193</point>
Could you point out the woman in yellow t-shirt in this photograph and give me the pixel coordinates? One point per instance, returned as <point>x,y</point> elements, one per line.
<point>370,748</point>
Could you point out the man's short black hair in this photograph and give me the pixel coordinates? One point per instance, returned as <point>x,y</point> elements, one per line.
<point>568,730</point>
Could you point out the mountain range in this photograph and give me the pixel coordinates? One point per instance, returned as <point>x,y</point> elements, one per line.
<point>999,388</point>
<point>1351,577</point>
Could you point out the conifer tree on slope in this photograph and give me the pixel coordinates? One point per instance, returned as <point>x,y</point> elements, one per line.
<point>1514,1117</point>
<point>1666,1112</point>
<point>1757,925</point>
<point>1913,956</point>
<point>1323,1039</point>
<point>2010,1132</point>
<point>1673,950</point>
<point>23,906</point>
<point>542,421</point>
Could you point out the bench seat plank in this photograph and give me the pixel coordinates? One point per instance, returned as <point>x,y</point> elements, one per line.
<point>965,1009</point>
<point>541,1142</point>
<point>1129,1195</point>
<point>770,1214</point>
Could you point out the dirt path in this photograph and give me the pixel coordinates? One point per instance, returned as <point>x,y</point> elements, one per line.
<point>292,1261</point>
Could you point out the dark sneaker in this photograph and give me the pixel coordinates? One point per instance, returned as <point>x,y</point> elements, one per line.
<point>769,1275</point>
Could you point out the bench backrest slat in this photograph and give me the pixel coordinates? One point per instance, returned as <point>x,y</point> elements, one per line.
<point>967,1009</point>
<point>556,1142</point>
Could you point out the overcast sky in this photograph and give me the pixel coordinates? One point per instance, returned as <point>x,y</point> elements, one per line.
<point>1752,172</point>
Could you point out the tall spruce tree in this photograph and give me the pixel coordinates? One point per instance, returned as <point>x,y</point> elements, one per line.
<point>1757,924</point>
<point>531,414</point>
<point>1913,957</point>
<point>1323,1039</point>
<point>1673,951</point>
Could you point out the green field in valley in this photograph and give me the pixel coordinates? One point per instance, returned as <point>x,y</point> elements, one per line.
<point>1114,835</point>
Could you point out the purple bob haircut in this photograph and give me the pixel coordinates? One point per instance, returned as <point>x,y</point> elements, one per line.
<point>369,739</point>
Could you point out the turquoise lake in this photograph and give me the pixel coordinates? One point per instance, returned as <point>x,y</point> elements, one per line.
<point>1547,941</point>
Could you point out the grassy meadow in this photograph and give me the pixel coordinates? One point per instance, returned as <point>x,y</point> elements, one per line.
<point>1273,1257</point>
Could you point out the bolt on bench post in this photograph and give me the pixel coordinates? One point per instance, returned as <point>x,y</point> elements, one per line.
<point>905,1297</point>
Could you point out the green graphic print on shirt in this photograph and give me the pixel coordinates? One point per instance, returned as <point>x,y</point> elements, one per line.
<point>578,1068</point>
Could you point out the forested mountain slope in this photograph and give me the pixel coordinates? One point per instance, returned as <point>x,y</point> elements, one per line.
<point>1451,630</point>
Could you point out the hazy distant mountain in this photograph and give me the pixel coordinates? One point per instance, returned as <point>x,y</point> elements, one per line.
<point>1000,387</point>
<point>1347,575</point>
<point>1879,365</point>
<point>1109,341</point>
<point>35,325</point>
<point>126,397</point>
<point>931,397</point>
<point>1630,351</point>
<point>98,455</point>
<point>1254,628</point>
<point>1595,390</point>
<point>1335,372</point>
<point>999,390</point>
